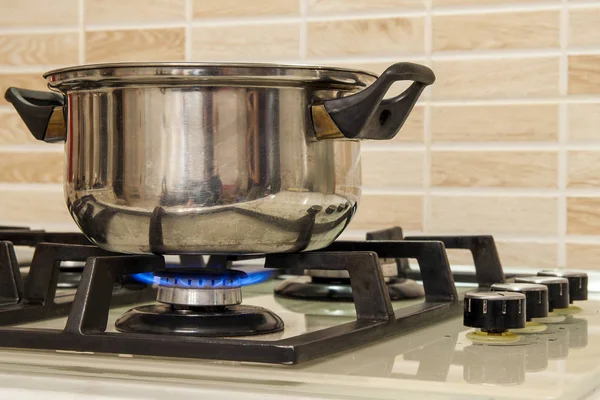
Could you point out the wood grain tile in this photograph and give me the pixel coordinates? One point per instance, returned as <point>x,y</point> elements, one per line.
<point>24,13</point>
<point>496,78</point>
<point>385,36</point>
<point>583,215</point>
<point>583,26</point>
<point>515,254</point>
<point>132,11</point>
<point>237,8</point>
<point>246,42</point>
<point>26,81</point>
<point>345,6</point>
<point>39,48</point>
<point>27,168</point>
<point>584,74</point>
<point>495,168</point>
<point>34,206</point>
<point>383,211</point>
<point>498,30</point>
<point>583,169</point>
<point>444,3</point>
<point>392,168</point>
<point>500,214</point>
<point>496,123</point>
<point>583,256</point>
<point>135,45</point>
<point>13,129</point>
<point>584,120</point>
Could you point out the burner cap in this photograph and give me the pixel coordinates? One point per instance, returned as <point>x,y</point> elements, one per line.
<point>240,320</point>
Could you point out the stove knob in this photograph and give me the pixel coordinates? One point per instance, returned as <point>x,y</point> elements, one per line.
<point>578,283</point>
<point>494,312</point>
<point>536,297</point>
<point>558,289</point>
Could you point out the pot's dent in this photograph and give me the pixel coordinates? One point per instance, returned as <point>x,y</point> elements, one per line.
<point>206,170</point>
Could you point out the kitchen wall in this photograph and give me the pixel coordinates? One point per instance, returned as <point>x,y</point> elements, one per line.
<point>506,142</point>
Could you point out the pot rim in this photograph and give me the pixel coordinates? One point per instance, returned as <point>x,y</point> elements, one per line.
<point>177,73</point>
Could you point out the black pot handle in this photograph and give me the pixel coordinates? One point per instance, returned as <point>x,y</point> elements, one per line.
<point>42,112</point>
<point>365,115</point>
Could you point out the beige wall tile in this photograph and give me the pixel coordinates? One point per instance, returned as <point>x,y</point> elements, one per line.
<point>584,74</point>
<point>496,78</point>
<point>344,6</point>
<point>36,206</point>
<point>132,11</point>
<point>495,168</point>
<point>384,36</point>
<point>24,81</point>
<point>237,8</point>
<point>499,214</point>
<point>583,256</point>
<point>23,168</point>
<point>442,3</point>
<point>246,42</point>
<point>19,13</point>
<point>413,129</point>
<point>39,48</point>
<point>13,130</point>
<point>583,169</point>
<point>405,211</point>
<point>496,123</point>
<point>515,254</point>
<point>584,120</point>
<point>392,168</point>
<point>583,26</point>
<point>583,215</point>
<point>135,45</point>
<point>498,30</point>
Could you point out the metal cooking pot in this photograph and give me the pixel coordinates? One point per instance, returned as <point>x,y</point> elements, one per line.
<point>174,158</point>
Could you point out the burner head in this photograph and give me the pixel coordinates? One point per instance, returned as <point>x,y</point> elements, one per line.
<point>163,319</point>
<point>204,289</point>
<point>335,289</point>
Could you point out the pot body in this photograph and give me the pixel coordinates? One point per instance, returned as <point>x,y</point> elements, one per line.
<point>206,169</point>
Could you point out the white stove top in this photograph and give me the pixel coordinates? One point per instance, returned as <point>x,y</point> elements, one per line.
<point>437,362</point>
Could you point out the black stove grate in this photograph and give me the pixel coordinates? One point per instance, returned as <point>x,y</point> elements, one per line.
<point>37,297</point>
<point>85,330</point>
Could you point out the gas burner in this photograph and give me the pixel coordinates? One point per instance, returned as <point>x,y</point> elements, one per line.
<point>317,284</point>
<point>199,303</point>
<point>220,321</point>
<point>339,289</point>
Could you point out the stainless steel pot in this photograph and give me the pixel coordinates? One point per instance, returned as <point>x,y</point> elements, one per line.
<point>209,158</point>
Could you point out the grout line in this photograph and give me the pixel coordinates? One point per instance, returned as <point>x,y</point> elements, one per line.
<point>81,30</point>
<point>188,29</point>
<point>427,133</point>
<point>303,29</point>
<point>563,137</point>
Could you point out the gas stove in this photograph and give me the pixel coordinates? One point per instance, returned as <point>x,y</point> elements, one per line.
<point>360,323</point>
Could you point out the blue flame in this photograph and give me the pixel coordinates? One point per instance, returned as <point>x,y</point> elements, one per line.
<point>199,282</point>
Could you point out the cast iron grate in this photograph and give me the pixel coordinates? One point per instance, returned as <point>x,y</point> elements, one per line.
<point>36,298</point>
<point>85,330</point>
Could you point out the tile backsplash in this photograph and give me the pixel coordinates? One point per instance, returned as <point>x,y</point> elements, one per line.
<point>507,141</point>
